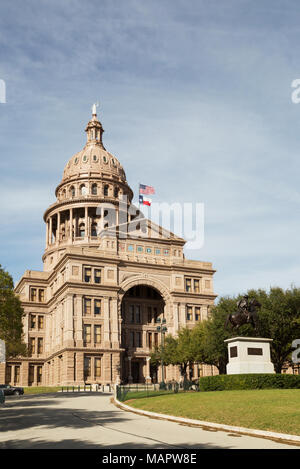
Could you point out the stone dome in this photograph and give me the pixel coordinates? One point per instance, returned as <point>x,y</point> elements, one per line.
<point>93,160</point>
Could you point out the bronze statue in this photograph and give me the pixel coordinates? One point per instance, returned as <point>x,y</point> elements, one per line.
<point>247,313</point>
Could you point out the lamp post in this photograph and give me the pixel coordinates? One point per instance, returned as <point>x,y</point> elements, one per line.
<point>162,329</point>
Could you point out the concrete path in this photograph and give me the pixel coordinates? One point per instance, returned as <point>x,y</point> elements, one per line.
<point>91,421</point>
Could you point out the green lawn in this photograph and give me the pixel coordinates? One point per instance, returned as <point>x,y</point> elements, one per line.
<point>275,410</point>
<point>41,389</point>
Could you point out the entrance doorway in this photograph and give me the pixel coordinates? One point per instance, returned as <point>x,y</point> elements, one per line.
<point>142,310</point>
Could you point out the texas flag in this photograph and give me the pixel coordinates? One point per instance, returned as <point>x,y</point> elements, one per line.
<point>144,200</point>
<point>146,189</point>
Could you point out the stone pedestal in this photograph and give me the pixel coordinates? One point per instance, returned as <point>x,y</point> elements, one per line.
<point>249,355</point>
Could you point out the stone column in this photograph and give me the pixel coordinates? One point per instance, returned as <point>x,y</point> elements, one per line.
<point>148,377</point>
<point>58,228</point>
<point>78,300</point>
<point>86,221</point>
<point>71,225</point>
<point>106,335</point>
<point>50,230</point>
<point>115,322</point>
<point>176,317</point>
<point>68,330</point>
<point>47,234</point>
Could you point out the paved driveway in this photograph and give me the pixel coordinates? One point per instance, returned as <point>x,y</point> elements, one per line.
<point>90,420</point>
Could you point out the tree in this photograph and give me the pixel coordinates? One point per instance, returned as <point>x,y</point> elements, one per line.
<point>11,313</point>
<point>176,351</point>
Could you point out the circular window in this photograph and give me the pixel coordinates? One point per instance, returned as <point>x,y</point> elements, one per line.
<point>95,158</point>
<point>84,159</point>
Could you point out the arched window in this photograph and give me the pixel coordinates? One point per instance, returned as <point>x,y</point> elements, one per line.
<point>82,230</point>
<point>105,190</point>
<point>94,189</point>
<point>63,194</point>
<point>72,191</point>
<point>116,192</point>
<point>83,190</point>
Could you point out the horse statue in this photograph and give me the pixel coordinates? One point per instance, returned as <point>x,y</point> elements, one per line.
<point>246,314</point>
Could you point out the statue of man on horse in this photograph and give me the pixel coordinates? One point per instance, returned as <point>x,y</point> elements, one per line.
<point>246,313</point>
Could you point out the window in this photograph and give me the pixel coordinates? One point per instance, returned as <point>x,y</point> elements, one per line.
<point>95,158</point>
<point>138,314</point>
<point>97,276</point>
<point>87,306</point>
<point>94,189</point>
<point>87,333</point>
<point>87,274</point>
<point>40,346</point>
<point>150,344</point>
<point>97,367</point>
<point>131,309</point>
<point>87,367</point>
<point>197,313</point>
<point>138,337</point>
<point>94,230</point>
<point>140,249</point>
<point>149,314</point>
<point>39,373</point>
<point>17,374</point>
<point>83,190</point>
<point>189,313</point>
<point>188,284</point>
<point>97,334</point>
<point>130,247</point>
<point>82,230</point>
<point>116,192</point>
<point>131,339</point>
<point>157,251</point>
<point>97,307</point>
<point>32,345</point>
<point>148,250</point>
<point>41,322</point>
<point>33,294</point>
<point>72,191</point>
<point>196,286</point>
<point>32,321</point>
<point>41,296</point>
<point>105,190</point>
<point>166,252</point>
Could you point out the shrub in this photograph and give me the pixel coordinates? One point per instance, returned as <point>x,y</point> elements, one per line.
<point>249,381</point>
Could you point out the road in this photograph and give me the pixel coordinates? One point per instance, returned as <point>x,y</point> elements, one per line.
<point>91,421</point>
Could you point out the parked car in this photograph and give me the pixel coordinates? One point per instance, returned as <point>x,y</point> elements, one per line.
<point>11,390</point>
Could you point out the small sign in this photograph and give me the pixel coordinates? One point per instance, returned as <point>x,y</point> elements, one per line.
<point>2,351</point>
<point>255,351</point>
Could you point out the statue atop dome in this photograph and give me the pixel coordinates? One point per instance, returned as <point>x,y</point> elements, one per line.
<point>94,109</point>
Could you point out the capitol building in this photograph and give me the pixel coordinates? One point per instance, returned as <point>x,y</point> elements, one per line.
<point>110,277</point>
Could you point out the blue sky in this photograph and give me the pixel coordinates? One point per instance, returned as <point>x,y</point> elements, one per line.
<point>195,99</point>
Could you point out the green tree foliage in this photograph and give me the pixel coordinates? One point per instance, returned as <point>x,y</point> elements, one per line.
<point>11,314</point>
<point>176,351</point>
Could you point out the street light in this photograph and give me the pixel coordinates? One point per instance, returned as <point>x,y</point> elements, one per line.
<point>162,329</point>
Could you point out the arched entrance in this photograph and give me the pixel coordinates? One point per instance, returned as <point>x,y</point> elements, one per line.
<point>142,307</point>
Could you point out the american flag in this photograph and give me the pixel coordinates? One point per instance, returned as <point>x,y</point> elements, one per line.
<point>146,189</point>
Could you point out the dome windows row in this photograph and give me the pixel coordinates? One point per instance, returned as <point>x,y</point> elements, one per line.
<point>94,189</point>
<point>96,159</point>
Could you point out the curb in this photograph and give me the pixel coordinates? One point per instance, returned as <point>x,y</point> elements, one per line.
<point>279,437</point>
